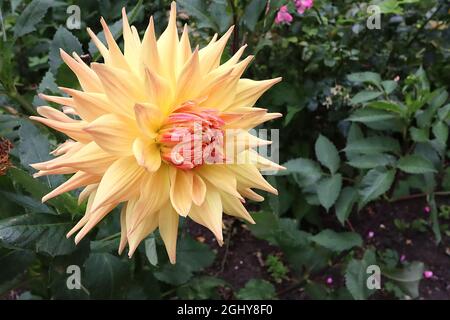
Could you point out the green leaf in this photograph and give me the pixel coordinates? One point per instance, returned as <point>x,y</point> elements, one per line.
<point>39,232</point>
<point>64,202</point>
<point>150,250</point>
<point>174,274</point>
<point>387,106</point>
<point>365,96</point>
<point>337,242</point>
<point>419,134</point>
<point>65,40</point>
<point>365,77</point>
<point>257,289</point>
<point>199,10</point>
<point>373,145</point>
<point>31,16</point>
<point>327,154</point>
<point>435,218</point>
<point>305,171</point>
<point>105,276</point>
<point>372,161</point>
<point>14,263</point>
<point>408,278</point>
<point>47,85</point>
<point>415,164</point>
<point>328,190</point>
<point>34,147</point>
<point>369,115</point>
<point>345,202</point>
<point>27,202</point>
<point>389,86</point>
<point>375,183</point>
<point>444,113</point>
<point>439,99</point>
<point>356,276</point>
<point>252,12</point>
<point>440,131</point>
<point>194,255</point>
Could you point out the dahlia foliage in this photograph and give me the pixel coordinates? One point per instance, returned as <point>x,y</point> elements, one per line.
<point>163,129</point>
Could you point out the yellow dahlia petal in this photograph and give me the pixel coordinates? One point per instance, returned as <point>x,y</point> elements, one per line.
<point>168,45</point>
<point>87,78</point>
<point>209,214</point>
<point>149,118</point>
<point>90,159</point>
<point>119,183</point>
<point>147,154</point>
<point>116,58</point>
<point>150,55</point>
<point>221,177</point>
<point>113,134</point>
<point>159,90</point>
<point>88,105</point>
<point>72,129</point>
<point>168,228</point>
<point>198,190</point>
<point>121,87</point>
<point>181,190</point>
<point>150,200</point>
<point>79,179</point>
<point>184,49</point>
<point>234,207</point>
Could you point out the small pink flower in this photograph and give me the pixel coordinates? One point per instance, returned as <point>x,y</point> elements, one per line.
<point>329,280</point>
<point>370,234</point>
<point>303,5</point>
<point>427,209</point>
<point>428,274</point>
<point>397,79</point>
<point>402,258</point>
<point>283,16</point>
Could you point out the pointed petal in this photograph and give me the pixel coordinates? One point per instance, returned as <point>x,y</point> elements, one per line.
<point>168,228</point>
<point>234,207</point>
<point>119,183</point>
<point>209,214</point>
<point>220,177</point>
<point>148,118</point>
<point>113,134</point>
<point>181,190</point>
<point>79,179</point>
<point>168,45</point>
<point>87,78</point>
<point>147,154</point>
<point>72,129</point>
<point>198,190</point>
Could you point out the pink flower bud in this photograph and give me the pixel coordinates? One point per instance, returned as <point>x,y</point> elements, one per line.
<point>283,16</point>
<point>329,280</point>
<point>427,209</point>
<point>370,234</point>
<point>428,274</point>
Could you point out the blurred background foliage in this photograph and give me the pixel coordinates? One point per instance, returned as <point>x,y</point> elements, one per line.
<point>366,115</point>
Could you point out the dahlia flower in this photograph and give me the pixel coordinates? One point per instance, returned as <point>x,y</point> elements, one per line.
<point>150,128</point>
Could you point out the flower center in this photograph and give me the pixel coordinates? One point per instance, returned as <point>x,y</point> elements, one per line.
<point>192,136</point>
